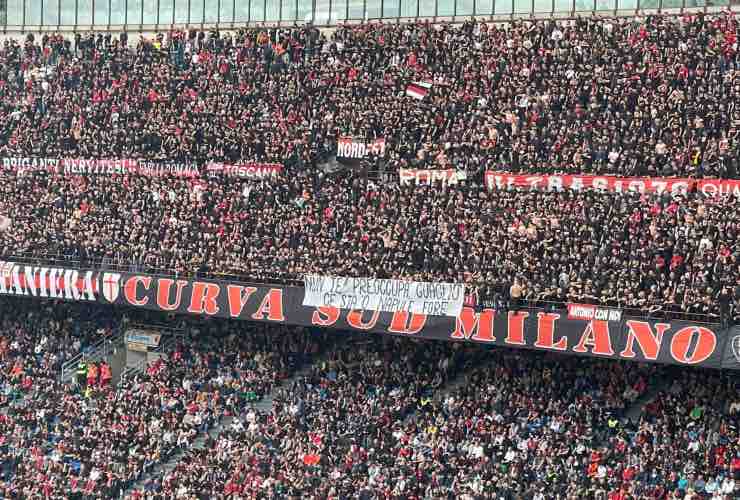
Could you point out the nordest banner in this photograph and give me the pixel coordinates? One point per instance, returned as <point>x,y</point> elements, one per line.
<point>674,342</point>
<point>352,150</point>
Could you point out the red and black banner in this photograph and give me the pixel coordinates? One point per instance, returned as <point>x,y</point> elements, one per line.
<point>707,187</point>
<point>145,168</point>
<point>674,342</point>
<point>244,170</point>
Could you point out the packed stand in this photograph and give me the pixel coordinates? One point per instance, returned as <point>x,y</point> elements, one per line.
<point>689,436</point>
<point>317,437</point>
<point>647,96</point>
<point>634,96</point>
<point>37,339</point>
<point>522,425</point>
<point>548,426</point>
<point>92,439</point>
<point>666,256</point>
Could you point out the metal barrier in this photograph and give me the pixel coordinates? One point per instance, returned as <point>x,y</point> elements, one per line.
<point>22,16</point>
<point>131,371</point>
<point>94,353</point>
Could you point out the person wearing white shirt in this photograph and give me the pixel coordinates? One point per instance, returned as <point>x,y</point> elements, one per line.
<point>728,486</point>
<point>601,472</point>
<point>510,456</point>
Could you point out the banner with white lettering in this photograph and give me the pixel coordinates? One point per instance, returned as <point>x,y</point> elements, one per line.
<point>145,168</point>
<point>718,187</point>
<point>244,170</point>
<point>149,338</point>
<point>449,177</point>
<point>588,312</point>
<point>352,150</point>
<point>498,180</point>
<point>370,294</point>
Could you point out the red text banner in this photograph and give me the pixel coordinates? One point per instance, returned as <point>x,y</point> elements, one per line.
<point>675,342</point>
<point>718,187</point>
<point>245,170</point>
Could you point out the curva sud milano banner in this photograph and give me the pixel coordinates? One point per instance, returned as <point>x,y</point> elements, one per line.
<point>675,342</point>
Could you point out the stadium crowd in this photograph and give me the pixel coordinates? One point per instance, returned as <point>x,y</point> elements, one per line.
<point>91,439</point>
<point>648,254</point>
<point>632,96</point>
<point>375,421</point>
<point>377,417</point>
<point>648,96</point>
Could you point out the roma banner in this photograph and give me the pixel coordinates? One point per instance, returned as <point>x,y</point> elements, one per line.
<point>408,176</point>
<point>674,342</point>
<point>369,294</point>
<point>352,150</point>
<point>498,180</point>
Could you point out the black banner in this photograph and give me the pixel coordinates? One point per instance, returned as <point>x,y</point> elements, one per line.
<point>351,151</point>
<point>675,342</point>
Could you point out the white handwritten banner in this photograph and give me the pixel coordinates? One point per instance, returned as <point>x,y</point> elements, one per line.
<point>369,294</point>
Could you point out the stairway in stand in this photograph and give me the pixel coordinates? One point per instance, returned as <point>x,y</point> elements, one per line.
<point>160,470</point>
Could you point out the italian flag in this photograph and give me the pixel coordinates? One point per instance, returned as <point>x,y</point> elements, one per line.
<point>418,90</point>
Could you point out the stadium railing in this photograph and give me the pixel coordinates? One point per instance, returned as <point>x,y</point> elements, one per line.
<point>275,279</point>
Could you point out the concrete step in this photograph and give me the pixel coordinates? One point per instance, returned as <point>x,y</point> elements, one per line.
<point>635,410</point>
<point>161,469</point>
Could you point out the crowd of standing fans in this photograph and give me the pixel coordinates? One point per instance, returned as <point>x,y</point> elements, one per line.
<point>631,96</point>
<point>369,417</point>
<point>373,417</point>
<point>634,96</point>
<point>655,254</point>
